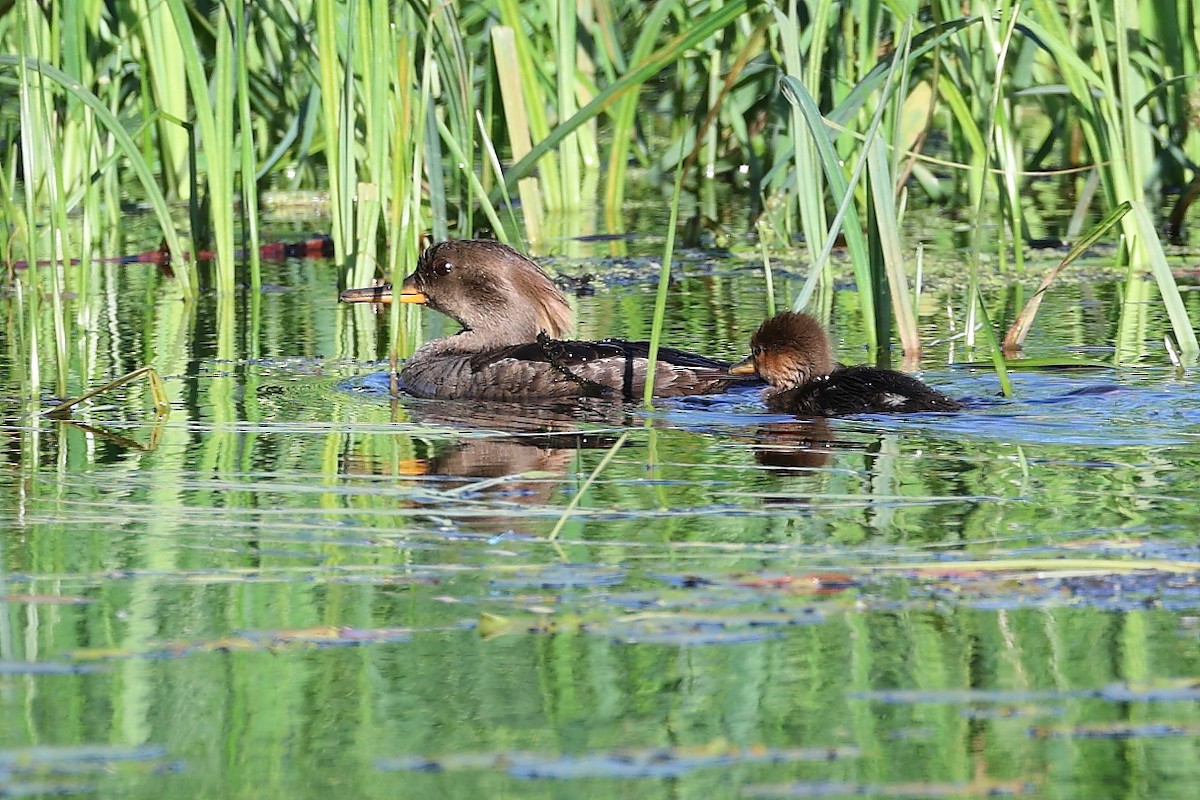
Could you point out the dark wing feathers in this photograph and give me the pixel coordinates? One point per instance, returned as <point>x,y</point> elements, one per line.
<point>572,353</point>
<point>863,390</point>
<point>678,358</point>
<point>609,368</point>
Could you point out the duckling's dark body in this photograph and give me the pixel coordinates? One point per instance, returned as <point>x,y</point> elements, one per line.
<point>512,315</point>
<point>791,352</point>
<point>860,390</point>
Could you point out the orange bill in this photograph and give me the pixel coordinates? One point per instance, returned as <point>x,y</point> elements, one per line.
<point>382,294</point>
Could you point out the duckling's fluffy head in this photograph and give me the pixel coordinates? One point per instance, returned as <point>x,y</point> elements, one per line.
<point>790,349</point>
<point>491,289</point>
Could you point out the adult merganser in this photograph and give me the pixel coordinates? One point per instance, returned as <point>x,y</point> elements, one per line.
<point>509,348</point>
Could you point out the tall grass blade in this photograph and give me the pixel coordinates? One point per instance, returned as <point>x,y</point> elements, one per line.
<point>768,275</point>
<point>639,74</point>
<point>624,115</point>
<point>997,354</point>
<point>1024,320</point>
<point>328,65</point>
<point>1152,250</point>
<point>125,145</point>
<point>884,205</point>
<point>535,109</point>
<point>664,282</point>
<point>797,94</point>
<point>489,210</point>
<point>247,168</point>
<point>1107,119</point>
<point>43,179</point>
<point>167,79</point>
<point>569,156</point>
<point>976,298</point>
<point>489,148</point>
<point>810,178</point>
<point>924,42</point>
<point>214,121</point>
<point>517,120</point>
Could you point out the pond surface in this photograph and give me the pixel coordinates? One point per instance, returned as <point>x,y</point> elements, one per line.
<point>299,586</point>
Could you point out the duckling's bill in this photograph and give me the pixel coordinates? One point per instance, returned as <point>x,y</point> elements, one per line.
<point>382,294</point>
<point>744,367</point>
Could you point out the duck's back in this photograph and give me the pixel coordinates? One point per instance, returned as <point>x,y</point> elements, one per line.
<point>550,368</point>
<point>861,390</point>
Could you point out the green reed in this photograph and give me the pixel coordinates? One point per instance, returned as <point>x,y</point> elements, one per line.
<point>966,62</point>
<point>214,113</point>
<point>565,23</point>
<point>166,83</point>
<point>37,134</point>
<point>527,100</point>
<point>819,153</point>
<point>247,163</point>
<point>336,125</point>
<point>664,282</point>
<point>1115,125</point>
<point>624,118</point>
<point>637,74</point>
<point>535,91</point>
<point>995,135</point>
<point>118,138</point>
<point>516,118</point>
<point>408,155</point>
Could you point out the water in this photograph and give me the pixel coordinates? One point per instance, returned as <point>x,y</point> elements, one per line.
<point>296,586</point>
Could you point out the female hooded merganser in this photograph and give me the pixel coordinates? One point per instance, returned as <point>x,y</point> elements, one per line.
<point>512,315</point>
<point>791,352</point>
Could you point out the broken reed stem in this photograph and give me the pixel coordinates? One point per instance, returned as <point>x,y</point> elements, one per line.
<point>571,506</point>
<point>161,407</point>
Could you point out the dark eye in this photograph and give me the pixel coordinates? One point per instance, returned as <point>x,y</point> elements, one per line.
<point>756,351</point>
<point>442,268</point>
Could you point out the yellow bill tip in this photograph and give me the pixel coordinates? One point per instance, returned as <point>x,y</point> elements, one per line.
<point>743,368</point>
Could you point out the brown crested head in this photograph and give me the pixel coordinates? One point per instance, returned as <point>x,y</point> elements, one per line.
<point>490,289</point>
<point>791,349</point>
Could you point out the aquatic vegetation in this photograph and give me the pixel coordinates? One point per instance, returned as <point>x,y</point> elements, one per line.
<point>342,98</point>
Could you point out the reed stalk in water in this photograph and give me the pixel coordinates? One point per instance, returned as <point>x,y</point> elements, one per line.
<point>664,283</point>
<point>319,96</point>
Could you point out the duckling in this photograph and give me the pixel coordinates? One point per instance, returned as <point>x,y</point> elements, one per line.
<point>792,353</point>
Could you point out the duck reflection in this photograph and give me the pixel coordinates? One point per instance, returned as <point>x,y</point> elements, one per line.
<point>504,452</point>
<point>799,445</point>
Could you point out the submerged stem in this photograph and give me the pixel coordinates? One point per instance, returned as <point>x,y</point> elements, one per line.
<point>571,506</point>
